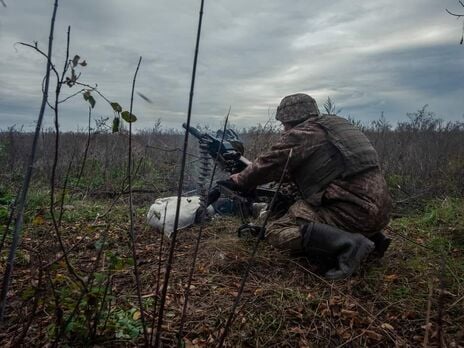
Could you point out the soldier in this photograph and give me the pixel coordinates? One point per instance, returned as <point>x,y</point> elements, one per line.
<point>344,201</point>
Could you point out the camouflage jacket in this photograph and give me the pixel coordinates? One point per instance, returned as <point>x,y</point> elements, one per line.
<point>324,149</point>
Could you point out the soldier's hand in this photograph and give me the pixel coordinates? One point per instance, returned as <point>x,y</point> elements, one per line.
<point>213,195</point>
<point>234,178</point>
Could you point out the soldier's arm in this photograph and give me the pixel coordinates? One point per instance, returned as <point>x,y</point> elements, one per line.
<point>270,165</point>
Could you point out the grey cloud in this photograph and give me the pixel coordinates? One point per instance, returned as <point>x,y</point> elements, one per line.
<point>391,56</point>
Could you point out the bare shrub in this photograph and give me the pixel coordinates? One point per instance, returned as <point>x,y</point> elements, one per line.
<point>422,155</point>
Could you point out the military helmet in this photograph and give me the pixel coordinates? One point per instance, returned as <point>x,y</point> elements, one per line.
<point>297,107</point>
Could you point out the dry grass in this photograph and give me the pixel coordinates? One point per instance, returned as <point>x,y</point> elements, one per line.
<point>285,304</point>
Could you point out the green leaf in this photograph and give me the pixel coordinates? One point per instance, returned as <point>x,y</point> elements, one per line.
<point>99,244</point>
<point>88,97</point>
<point>116,122</point>
<point>92,101</point>
<point>75,60</point>
<point>128,117</point>
<point>116,107</point>
<point>28,293</point>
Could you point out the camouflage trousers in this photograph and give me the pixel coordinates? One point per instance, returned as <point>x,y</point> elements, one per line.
<point>360,204</point>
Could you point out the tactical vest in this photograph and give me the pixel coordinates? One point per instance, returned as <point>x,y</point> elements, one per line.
<point>351,153</point>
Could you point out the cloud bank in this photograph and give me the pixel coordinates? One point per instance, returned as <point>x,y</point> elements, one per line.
<point>369,57</point>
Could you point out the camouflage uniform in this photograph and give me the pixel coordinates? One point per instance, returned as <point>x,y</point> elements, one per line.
<point>337,172</point>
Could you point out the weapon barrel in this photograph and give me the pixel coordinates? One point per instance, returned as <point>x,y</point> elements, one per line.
<point>193,131</point>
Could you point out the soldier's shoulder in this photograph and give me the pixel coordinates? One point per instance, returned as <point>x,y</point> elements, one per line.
<point>310,126</point>
<point>332,116</point>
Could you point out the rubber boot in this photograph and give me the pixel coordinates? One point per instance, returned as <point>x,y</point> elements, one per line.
<point>349,249</point>
<point>381,242</point>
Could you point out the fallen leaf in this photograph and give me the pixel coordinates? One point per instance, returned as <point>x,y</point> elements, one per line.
<point>38,220</point>
<point>387,326</point>
<point>373,335</point>
<point>348,313</point>
<point>297,330</point>
<point>391,277</point>
<point>445,293</point>
<point>137,315</point>
<point>189,344</point>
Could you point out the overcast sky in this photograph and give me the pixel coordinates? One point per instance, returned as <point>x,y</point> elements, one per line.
<point>368,56</point>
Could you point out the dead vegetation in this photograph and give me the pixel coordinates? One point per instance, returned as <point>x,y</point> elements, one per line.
<point>411,297</point>
<point>285,303</point>
<point>88,274</point>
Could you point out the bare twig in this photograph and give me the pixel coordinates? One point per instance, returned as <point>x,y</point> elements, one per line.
<point>253,254</point>
<point>59,258</point>
<point>197,243</point>
<point>63,191</point>
<point>441,299</point>
<point>132,213</point>
<point>37,295</point>
<point>102,307</point>
<point>72,95</point>
<point>454,14</point>
<point>52,66</point>
<point>87,144</point>
<point>27,177</point>
<point>388,228</point>
<point>158,276</point>
<point>456,302</point>
<point>84,290</point>
<point>180,186</point>
<point>55,164</point>
<point>10,220</point>
<point>93,89</point>
<point>458,15</point>
<point>427,317</point>
<point>364,309</point>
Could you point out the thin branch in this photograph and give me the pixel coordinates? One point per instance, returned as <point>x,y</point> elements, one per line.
<point>395,339</point>
<point>427,317</point>
<point>87,144</point>
<point>63,191</point>
<point>200,233</point>
<point>441,300</point>
<point>93,89</point>
<point>52,66</point>
<point>158,278</point>
<point>54,166</point>
<point>253,254</point>
<point>132,213</point>
<point>37,295</point>
<point>102,306</point>
<point>10,220</point>
<point>59,258</point>
<point>454,14</point>
<point>27,177</point>
<point>72,95</point>
<point>84,291</point>
<point>66,60</point>
<point>179,188</point>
